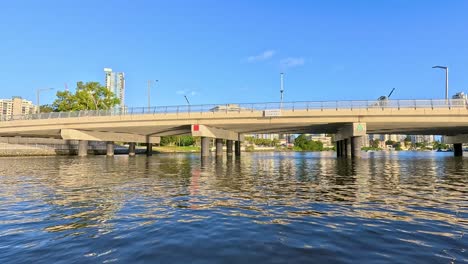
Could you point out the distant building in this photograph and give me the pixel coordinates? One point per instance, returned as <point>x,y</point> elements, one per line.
<point>115,82</point>
<point>422,139</point>
<point>16,106</point>
<point>326,141</point>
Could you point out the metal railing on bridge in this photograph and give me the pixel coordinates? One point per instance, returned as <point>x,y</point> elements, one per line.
<point>251,107</point>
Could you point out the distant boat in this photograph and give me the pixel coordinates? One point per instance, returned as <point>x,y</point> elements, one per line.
<point>444,150</point>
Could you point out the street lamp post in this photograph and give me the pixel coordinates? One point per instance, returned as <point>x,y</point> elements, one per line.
<point>38,92</point>
<point>446,79</point>
<point>149,93</point>
<point>281,90</point>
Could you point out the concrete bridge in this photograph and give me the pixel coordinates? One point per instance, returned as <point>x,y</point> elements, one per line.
<point>349,120</point>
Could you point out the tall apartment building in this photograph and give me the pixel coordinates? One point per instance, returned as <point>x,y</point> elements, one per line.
<point>115,82</point>
<point>16,106</point>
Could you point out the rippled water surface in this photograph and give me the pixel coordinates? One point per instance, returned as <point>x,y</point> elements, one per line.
<point>265,208</point>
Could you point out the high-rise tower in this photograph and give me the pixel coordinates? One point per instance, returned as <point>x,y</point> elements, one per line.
<point>115,82</point>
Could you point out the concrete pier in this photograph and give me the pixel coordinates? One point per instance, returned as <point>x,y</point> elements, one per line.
<point>348,147</point>
<point>338,148</point>
<point>149,149</point>
<point>219,147</point>
<point>229,147</point>
<point>356,145</point>
<point>110,148</point>
<point>83,148</point>
<point>237,148</point>
<point>458,149</point>
<point>131,149</point>
<point>205,147</point>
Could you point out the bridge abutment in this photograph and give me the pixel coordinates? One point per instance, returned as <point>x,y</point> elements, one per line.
<point>131,149</point>
<point>83,148</point>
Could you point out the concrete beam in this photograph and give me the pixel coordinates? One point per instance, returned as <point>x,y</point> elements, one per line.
<point>351,130</point>
<point>455,139</point>
<point>212,132</point>
<point>74,134</point>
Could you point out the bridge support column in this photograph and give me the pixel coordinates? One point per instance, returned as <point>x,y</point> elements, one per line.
<point>82,148</point>
<point>237,148</point>
<point>356,145</point>
<point>131,149</point>
<point>149,149</point>
<point>219,147</point>
<point>458,149</point>
<point>348,147</point>
<point>342,148</point>
<point>205,147</point>
<point>109,148</point>
<point>338,148</point>
<point>229,147</point>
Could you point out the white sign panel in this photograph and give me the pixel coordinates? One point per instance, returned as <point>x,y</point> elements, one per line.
<point>272,112</point>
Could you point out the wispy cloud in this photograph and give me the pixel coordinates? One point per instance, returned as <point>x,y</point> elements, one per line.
<point>291,62</point>
<point>186,92</point>
<point>267,54</point>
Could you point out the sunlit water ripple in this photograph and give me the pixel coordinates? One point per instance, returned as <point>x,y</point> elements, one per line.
<point>268,207</point>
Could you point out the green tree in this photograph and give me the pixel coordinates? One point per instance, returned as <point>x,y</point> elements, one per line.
<point>397,146</point>
<point>304,144</point>
<point>46,108</point>
<point>407,142</point>
<point>375,143</point>
<point>301,142</point>
<point>87,96</point>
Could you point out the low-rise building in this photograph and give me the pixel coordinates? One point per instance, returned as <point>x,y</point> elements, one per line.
<point>16,106</point>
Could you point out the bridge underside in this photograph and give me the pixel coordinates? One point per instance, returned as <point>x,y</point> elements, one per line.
<point>286,128</point>
<point>232,125</point>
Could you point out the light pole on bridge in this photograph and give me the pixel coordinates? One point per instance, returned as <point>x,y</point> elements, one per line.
<point>446,79</point>
<point>38,92</point>
<point>149,93</point>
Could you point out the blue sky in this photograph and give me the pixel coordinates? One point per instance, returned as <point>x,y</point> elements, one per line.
<point>233,51</point>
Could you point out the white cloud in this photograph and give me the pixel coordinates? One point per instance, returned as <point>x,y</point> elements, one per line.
<point>187,92</point>
<point>292,62</point>
<point>267,54</point>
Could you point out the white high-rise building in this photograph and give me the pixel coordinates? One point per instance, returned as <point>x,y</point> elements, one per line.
<point>115,82</point>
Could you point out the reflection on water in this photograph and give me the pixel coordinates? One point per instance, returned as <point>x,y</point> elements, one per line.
<point>266,207</point>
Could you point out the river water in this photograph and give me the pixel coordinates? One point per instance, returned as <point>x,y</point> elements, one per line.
<point>264,208</point>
